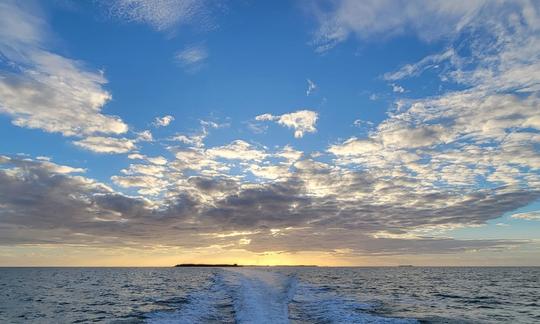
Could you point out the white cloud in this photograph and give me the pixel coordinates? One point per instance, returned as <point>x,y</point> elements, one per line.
<point>532,215</point>
<point>159,160</point>
<point>163,121</point>
<point>311,87</point>
<point>384,18</point>
<point>302,121</point>
<point>355,146</point>
<point>289,153</point>
<point>192,57</point>
<point>273,172</point>
<point>160,14</point>
<point>145,136</point>
<point>102,144</point>
<point>397,88</point>
<point>49,92</point>
<point>197,139</point>
<point>237,150</point>
<point>485,135</point>
<point>430,61</point>
<point>363,123</point>
<point>45,163</point>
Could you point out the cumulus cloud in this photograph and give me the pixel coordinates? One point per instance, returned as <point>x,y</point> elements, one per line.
<point>163,121</point>
<point>61,208</point>
<point>159,160</point>
<point>237,150</point>
<point>485,134</point>
<point>145,136</point>
<point>102,144</point>
<point>302,121</point>
<point>44,90</point>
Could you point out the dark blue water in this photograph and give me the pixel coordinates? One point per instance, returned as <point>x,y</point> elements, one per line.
<point>270,295</point>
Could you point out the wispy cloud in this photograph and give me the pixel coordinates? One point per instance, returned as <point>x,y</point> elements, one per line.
<point>428,62</point>
<point>311,87</point>
<point>159,14</point>
<point>192,57</point>
<point>338,20</point>
<point>533,215</point>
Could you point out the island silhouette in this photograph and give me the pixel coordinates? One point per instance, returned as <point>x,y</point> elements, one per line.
<point>205,265</point>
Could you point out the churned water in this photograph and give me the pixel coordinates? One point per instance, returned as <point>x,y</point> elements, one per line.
<point>270,295</point>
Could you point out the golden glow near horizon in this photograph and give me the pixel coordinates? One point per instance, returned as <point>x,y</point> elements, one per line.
<point>65,255</point>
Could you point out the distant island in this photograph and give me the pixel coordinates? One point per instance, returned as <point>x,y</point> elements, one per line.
<point>205,265</point>
<point>187,265</point>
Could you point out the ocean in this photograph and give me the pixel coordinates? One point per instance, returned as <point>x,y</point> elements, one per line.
<point>271,295</point>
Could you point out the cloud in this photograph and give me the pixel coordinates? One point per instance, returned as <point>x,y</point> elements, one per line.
<point>192,57</point>
<point>145,136</point>
<point>159,160</point>
<point>159,14</point>
<point>363,123</point>
<point>397,88</point>
<point>43,205</point>
<point>302,121</point>
<point>198,138</point>
<point>163,121</point>
<point>237,150</point>
<point>311,87</point>
<point>44,90</point>
<point>338,20</point>
<point>457,159</point>
<point>428,62</point>
<point>100,144</point>
<point>533,215</point>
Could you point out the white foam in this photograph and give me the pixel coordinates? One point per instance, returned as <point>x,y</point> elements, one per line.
<point>260,296</point>
<point>265,296</point>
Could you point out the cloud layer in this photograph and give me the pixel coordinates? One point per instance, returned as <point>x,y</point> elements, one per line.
<point>456,159</point>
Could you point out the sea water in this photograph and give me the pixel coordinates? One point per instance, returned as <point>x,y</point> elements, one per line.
<point>270,295</point>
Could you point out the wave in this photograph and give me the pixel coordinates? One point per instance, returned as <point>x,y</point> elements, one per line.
<point>313,304</point>
<point>247,295</point>
<point>210,304</point>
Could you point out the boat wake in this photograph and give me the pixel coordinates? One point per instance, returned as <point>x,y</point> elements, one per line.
<point>247,295</point>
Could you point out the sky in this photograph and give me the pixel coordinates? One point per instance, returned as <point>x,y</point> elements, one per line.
<point>328,132</point>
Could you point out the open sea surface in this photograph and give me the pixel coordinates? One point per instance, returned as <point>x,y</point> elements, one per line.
<point>270,295</point>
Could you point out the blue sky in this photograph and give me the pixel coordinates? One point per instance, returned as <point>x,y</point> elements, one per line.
<point>376,130</point>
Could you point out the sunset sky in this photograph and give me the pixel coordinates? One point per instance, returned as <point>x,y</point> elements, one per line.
<point>340,132</point>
